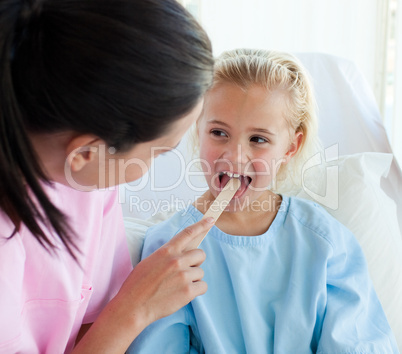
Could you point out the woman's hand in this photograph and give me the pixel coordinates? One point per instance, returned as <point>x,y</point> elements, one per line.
<point>158,286</point>
<point>169,278</point>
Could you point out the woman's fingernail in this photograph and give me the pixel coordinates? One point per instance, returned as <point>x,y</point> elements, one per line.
<point>210,220</point>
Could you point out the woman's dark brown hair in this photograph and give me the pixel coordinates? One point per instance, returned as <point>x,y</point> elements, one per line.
<point>123,70</point>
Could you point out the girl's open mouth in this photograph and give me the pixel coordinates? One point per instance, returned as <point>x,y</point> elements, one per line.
<point>225,176</point>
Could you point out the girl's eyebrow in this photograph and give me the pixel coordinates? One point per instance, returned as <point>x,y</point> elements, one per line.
<point>258,130</point>
<point>215,121</point>
<point>261,130</point>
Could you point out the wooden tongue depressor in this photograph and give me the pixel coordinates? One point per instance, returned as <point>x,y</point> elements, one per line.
<point>220,204</point>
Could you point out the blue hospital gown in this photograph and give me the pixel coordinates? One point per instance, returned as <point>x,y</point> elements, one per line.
<point>301,287</point>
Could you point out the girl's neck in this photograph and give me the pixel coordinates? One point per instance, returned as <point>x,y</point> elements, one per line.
<point>246,219</point>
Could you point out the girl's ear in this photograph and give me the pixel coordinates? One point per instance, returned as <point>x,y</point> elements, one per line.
<point>294,146</point>
<point>82,150</point>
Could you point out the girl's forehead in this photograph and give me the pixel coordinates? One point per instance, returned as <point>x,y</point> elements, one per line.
<point>254,105</point>
<point>256,97</point>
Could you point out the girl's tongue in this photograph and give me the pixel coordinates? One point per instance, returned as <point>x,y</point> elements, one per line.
<point>224,179</point>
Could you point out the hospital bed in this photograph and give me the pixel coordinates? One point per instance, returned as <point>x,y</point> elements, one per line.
<point>355,178</point>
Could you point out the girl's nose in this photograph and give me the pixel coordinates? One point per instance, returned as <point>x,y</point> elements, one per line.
<point>236,154</point>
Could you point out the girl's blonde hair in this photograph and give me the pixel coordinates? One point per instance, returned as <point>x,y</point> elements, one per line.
<point>277,71</point>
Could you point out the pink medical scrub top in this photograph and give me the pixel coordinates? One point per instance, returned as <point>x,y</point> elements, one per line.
<point>44,296</point>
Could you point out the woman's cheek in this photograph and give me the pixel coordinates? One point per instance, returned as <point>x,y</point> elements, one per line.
<point>133,169</point>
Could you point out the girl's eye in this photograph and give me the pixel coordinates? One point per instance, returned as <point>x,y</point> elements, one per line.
<point>217,132</point>
<point>259,140</point>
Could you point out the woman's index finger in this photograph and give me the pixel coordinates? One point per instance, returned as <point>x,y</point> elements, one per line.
<point>191,236</point>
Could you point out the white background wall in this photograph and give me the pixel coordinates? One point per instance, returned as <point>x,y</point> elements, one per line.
<point>345,28</point>
<point>355,29</point>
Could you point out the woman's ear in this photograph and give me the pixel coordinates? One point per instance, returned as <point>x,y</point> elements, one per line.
<point>81,150</point>
<point>294,146</point>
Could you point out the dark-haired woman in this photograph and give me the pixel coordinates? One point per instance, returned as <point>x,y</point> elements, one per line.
<point>88,88</point>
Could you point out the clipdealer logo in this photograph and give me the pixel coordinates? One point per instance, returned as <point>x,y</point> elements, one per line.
<point>320,168</point>
<point>326,174</point>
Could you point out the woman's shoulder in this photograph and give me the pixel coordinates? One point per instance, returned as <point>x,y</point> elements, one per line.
<point>7,228</point>
<point>12,249</point>
<point>69,199</point>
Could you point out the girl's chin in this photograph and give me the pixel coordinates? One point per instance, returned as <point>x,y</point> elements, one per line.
<point>246,203</point>
<point>237,205</point>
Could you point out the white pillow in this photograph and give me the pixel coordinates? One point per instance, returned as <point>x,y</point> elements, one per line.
<point>136,229</point>
<point>350,190</point>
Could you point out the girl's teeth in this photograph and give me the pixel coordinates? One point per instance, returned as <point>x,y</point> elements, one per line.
<point>231,175</point>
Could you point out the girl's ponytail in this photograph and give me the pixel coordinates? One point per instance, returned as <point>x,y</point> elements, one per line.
<point>20,171</point>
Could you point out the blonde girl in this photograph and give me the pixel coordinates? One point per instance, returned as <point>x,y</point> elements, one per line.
<point>283,275</point>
